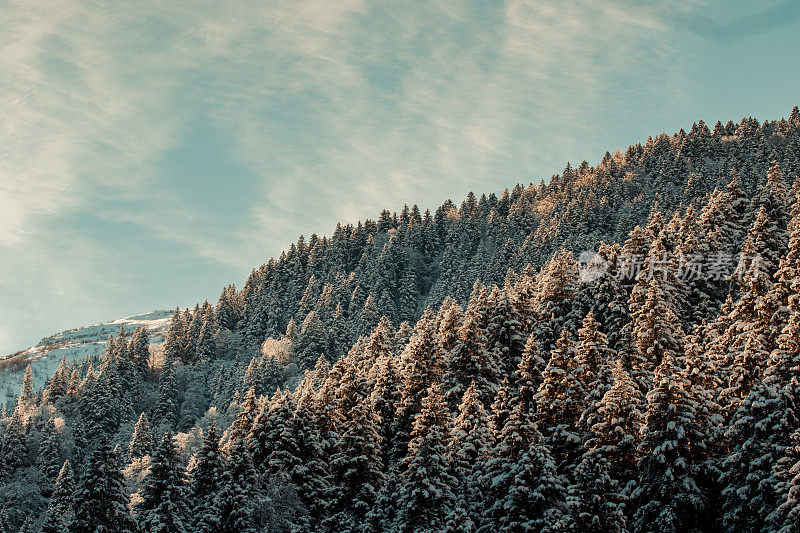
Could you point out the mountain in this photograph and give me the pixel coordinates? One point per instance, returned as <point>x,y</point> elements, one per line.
<point>613,350</point>
<point>86,342</point>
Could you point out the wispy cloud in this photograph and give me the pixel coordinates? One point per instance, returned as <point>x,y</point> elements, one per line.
<point>328,110</point>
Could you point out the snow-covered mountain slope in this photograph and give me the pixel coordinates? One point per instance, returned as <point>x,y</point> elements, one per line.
<point>72,344</point>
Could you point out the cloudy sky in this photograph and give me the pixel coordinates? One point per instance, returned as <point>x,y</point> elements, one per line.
<point>152,152</point>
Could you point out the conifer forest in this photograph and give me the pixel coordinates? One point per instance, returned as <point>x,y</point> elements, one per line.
<point>615,349</point>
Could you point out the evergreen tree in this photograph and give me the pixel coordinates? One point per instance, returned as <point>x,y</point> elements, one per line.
<point>205,484</point>
<point>100,501</point>
<point>385,398</point>
<point>594,502</point>
<point>759,434</point>
<point>142,439</point>
<point>356,470</point>
<point>615,435</point>
<point>165,411</point>
<point>27,398</point>
<point>206,341</point>
<point>470,443</point>
<point>505,340</point>
<point>49,456</point>
<point>161,507</point>
<point>420,367</point>
<point>425,497</point>
<point>552,303</point>
<point>469,361</point>
<point>535,497</point>
<point>139,349</point>
<point>667,496</point>
<point>175,341</point>
<point>61,508</point>
<point>239,496</point>
<point>593,358</point>
<point>561,399</point>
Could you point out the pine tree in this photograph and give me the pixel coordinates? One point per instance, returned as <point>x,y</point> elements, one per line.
<point>505,340</point>
<point>535,497</point>
<point>311,342</point>
<point>560,400</point>
<point>161,507</point>
<point>296,459</point>
<point>49,456</point>
<point>175,341</point>
<point>470,442</point>
<point>420,367</point>
<point>594,502</point>
<point>100,501</point>
<point>206,341</point>
<point>552,303</point>
<point>529,374</point>
<point>139,349</point>
<point>239,495</point>
<point>425,497</point>
<point>61,508</point>
<point>667,496</point>
<point>469,361</point>
<point>593,358</point>
<point>356,470</point>
<point>57,384</point>
<point>759,434</point>
<point>615,435</point>
<point>27,398</point>
<point>205,484</point>
<point>385,398</point>
<point>13,454</point>
<point>142,439</point>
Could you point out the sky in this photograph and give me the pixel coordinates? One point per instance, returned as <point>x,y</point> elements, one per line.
<point>153,152</point>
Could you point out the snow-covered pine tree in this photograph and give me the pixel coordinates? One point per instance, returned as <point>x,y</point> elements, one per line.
<point>667,497</point>
<point>206,347</point>
<point>469,361</point>
<point>469,450</point>
<point>504,338</point>
<point>535,497</point>
<point>49,457</point>
<point>594,501</point>
<point>425,497</point>
<point>758,435</point>
<point>27,397</point>
<point>142,439</point>
<point>560,401</point>
<point>206,476</point>
<point>161,506</point>
<point>139,350</point>
<point>239,498</point>
<point>615,435</point>
<point>100,501</point>
<point>420,366</point>
<point>175,341</point>
<point>61,507</point>
<point>552,303</point>
<point>356,470</point>
<point>165,411</point>
<point>384,399</point>
<point>594,359</point>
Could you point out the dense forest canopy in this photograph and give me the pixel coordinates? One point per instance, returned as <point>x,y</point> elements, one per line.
<point>617,349</point>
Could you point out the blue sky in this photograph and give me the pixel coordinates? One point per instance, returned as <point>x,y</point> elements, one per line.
<point>152,152</point>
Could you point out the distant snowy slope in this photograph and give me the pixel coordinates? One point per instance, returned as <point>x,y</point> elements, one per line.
<point>72,344</point>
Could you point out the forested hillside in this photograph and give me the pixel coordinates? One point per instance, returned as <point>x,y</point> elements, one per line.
<point>617,349</point>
